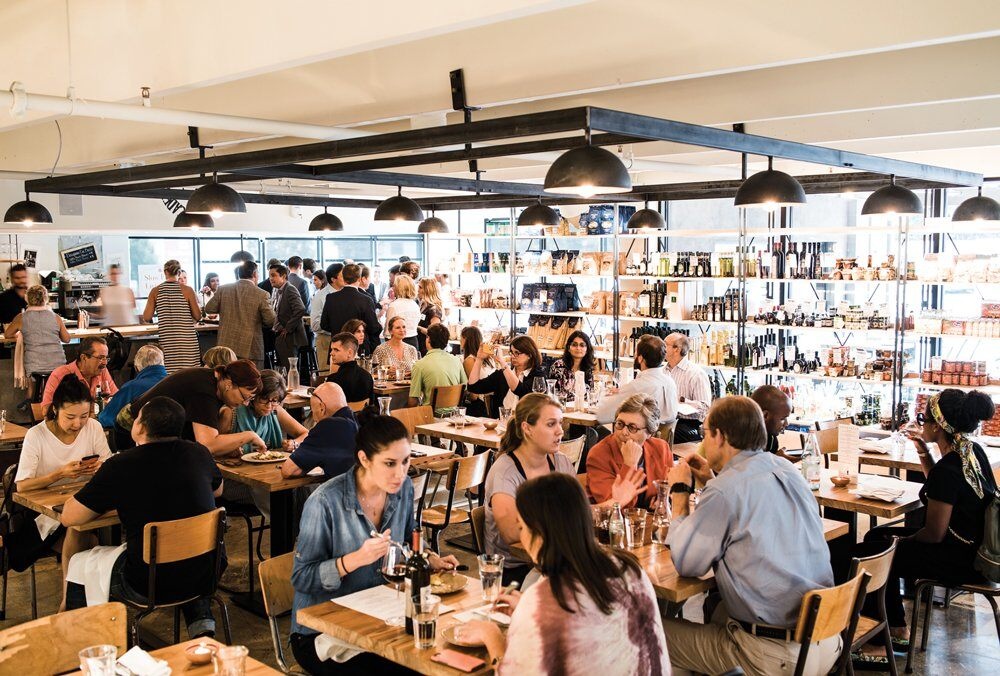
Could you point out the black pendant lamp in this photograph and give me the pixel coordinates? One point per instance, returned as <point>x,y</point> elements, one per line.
<point>539,215</point>
<point>892,199</point>
<point>587,171</point>
<point>216,200</point>
<point>326,222</point>
<point>27,213</point>
<point>646,219</point>
<point>399,208</point>
<point>187,220</point>
<point>978,208</point>
<point>241,256</point>
<point>432,224</point>
<point>770,189</point>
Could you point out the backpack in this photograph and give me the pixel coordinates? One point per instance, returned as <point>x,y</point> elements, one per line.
<point>987,560</point>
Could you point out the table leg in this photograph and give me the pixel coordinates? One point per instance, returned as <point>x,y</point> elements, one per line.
<point>283,522</point>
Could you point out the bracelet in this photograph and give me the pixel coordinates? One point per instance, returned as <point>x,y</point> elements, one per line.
<point>679,487</point>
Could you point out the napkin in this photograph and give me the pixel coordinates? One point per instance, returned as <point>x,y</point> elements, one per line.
<point>887,490</point>
<point>141,663</point>
<point>883,446</point>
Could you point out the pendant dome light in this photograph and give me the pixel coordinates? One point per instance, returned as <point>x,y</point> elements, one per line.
<point>539,215</point>
<point>587,171</point>
<point>27,213</point>
<point>399,208</point>
<point>216,200</point>
<point>978,208</point>
<point>770,189</point>
<point>326,222</point>
<point>892,199</point>
<point>432,224</point>
<point>646,219</point>
<point>187,220</point>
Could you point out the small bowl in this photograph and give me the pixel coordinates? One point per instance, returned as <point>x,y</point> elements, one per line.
<point>491,424</point>
<point>200,653</point>
<point>840,481</point>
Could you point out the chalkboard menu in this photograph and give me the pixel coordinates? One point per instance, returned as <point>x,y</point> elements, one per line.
<point>79,255</point>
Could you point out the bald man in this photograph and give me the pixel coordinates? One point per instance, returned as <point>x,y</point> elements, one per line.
<point>330,443</point>
<point>777,407</point>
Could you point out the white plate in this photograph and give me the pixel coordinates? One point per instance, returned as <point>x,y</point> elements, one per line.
<point>253,458</point>
<point>449,636</point>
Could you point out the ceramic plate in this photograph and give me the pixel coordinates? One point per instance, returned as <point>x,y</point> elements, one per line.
<point>266,457</point>
<point>448,583</point>
<point>449,636</point>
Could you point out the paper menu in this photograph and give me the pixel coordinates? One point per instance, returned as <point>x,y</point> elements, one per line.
<point>684,408</point>
<point>381,602</point>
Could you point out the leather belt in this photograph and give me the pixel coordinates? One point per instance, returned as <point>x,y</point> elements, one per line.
<point>768,631</point>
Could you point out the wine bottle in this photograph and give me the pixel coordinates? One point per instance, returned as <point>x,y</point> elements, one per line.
<point>791,261</point>
<point>418,577</point>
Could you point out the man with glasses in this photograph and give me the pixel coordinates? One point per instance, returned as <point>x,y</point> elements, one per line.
<point>693,387</point>
<point>330,443</point>
<point>90,367</point>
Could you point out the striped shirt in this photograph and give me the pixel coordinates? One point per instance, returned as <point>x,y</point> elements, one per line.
<point>178,339</point>
<point>692,384</point>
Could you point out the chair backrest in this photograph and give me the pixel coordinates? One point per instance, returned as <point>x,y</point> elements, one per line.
<point>666,432</point>
<point>877,566</point>
<point>276,584</point>
<point>37,412</point>
<point>49,645</point>
<point>828,612</point>
<point>447,396</point>
<point>573,449</point>
<point>181,539</point>
<point>468,472</point>
<point>582,478</point>
<point>791,441</point>
<point>479,529</point>
<point>413,416</point>
<point>357,406</point>
<point>833,424</point>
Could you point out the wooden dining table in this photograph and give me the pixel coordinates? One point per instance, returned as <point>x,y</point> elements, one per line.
<point>12,434</point>
<point>393,643</point>
<point>582,418</point>
<point>175,658</point>
<point>50,500</point>
<point>909,462</point>
<point>474,434</point>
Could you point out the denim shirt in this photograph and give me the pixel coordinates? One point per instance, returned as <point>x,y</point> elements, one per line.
<point>333,524</point>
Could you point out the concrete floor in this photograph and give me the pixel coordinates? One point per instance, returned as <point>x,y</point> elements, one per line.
<point>963,638</point>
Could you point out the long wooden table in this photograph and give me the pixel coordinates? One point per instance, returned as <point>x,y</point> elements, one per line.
<point>474,434</point>
<point>375,636</point>
<point>910,462</point>
<point>175,658</point>
<point>580,418</point>
<point>49,501</point>
<point>12,434</point>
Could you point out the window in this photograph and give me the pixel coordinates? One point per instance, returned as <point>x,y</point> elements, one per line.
<point>284,248</point>
<point>147,256</point>
<point>358,249</point>
<point>216,256</point>
<point>388,250</point>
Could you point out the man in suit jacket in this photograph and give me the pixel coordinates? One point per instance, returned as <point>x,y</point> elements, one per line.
<point>296,279</point>
<point>243,311</point>
<point>351,303</point>
<point>289,330</point>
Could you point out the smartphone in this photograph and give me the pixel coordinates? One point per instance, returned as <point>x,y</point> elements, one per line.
<point>89,458</point>
<point>460,661</point>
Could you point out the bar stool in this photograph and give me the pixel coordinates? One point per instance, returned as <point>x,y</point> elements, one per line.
<point>39,381</point>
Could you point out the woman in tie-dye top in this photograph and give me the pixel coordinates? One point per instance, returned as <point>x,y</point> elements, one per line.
<point>592,612</point>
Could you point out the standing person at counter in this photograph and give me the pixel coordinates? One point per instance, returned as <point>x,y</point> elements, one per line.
<point>90,368</point>
<point>298,282</point>
<point>208,289</point>
<point>511,381</point>
<point>176,308</point>
<point>323,289</point>
<point>202,392</point>
<point>12,300</point>
<point>117,301</point>
<point>42,332</point>
<point>350,303</point>
<point>431,309</point>
<point>244,311</point>
<point>289,329</point>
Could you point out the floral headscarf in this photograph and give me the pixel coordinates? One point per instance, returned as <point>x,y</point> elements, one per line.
<point>963,445</point>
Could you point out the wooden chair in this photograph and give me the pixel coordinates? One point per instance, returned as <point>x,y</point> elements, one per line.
<point>50,645</point>
<point>179,540</point>
<point>827,436</point>
<point>924,588</point>
<point>7,509</point>
<point>878,567</point>
<point>582,478</point>
<point>666,432</point>
<point>447,396</point>
<point>828,612</point>
<point>573,449</point>
<point>479,529</point>
<point>463,474</point>
<point>413,416</point>
<point>37,412</point>
<point>276,586</point>
<point>358,406</point>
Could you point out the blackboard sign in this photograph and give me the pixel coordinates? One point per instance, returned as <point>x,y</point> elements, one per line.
<point>79,255</point>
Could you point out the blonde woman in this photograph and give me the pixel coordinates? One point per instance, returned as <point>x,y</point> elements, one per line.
<point>404,305</point>
<point>220,355</point>
<point>396,352</point>
<point>176,309</point>
<point>42,332</point>
<point>431,309</point>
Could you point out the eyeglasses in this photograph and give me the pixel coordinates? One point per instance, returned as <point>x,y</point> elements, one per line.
<point>247,398</point>
<point>619,425</point>
<point>515,353</point>
<point>578,344</point>
<point>269,402</point>
<point>101,358</point>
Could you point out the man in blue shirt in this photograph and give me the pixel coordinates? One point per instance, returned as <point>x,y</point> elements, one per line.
<point>757,526</point>
<point>330,443</point>
<point>149,371</point>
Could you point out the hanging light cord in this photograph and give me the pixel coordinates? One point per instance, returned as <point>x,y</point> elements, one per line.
<point>58,152</point>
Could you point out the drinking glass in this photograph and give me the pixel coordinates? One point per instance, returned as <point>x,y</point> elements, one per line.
<point>538,384</point>
<point>399,374</point>
<point>458,416</point>
<point>505,414</point>
<point>425,615</point>
<point>600,515</point>
<point>394,570</point>
<point>3,421</point>
<point>315,379</point>
<point>661,515</point>
<point>550,386</point>
<point>490,575</point>
<point>230,660</point>
<point>98,660</point>
<point>283,372</point>
<point>635,521</point>
<point>383,405</point>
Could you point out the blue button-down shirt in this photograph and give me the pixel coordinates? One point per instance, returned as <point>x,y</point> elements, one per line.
<point>333,524</point>
<point>758,525</point>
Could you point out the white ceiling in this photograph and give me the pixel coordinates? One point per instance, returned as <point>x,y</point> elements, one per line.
<point>916,79</point>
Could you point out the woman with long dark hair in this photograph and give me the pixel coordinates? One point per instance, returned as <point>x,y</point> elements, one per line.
<point>577,356</point>
<point>509,382</point>
<point>470,340</point>
<point>346,528</point>
<point>593,610</point>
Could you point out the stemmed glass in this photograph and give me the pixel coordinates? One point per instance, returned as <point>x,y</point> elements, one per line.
<point>394,570</point>
<point>538,384</point>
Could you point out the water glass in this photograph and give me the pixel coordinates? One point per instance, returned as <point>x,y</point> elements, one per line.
<point>425,615</point>
<point>458,415</point>
<point>3,421</point>
<point>98,660</point>
<point>383,405</point>
<point>490,575</point>
<point>635,521</point>
<point>538,385</point>
<point>230,660</point>
<point>600,515</point>
<point>399,374</point>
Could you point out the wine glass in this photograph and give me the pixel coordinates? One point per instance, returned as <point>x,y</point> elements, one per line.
<point>394,570</point>
<point>538,384</point>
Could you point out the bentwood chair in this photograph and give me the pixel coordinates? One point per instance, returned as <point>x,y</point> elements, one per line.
<point>180,540</point>
<point>573,449</point>
<point>827,612</point>
<point>358,406</point>
<point>413,416</point>
<point>925,588</point>
<point>878,567</point>
<point>447,396</point>
<point>51,644</point>
<point>276,585</point>
<point>463,474</point>
<point>479,529</point>
<point>8,515</point>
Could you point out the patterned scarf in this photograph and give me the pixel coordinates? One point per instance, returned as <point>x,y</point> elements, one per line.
<point>963,445</point>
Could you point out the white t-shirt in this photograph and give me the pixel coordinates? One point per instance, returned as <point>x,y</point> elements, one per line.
<point>408,310</point>
<point>43,453</point>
